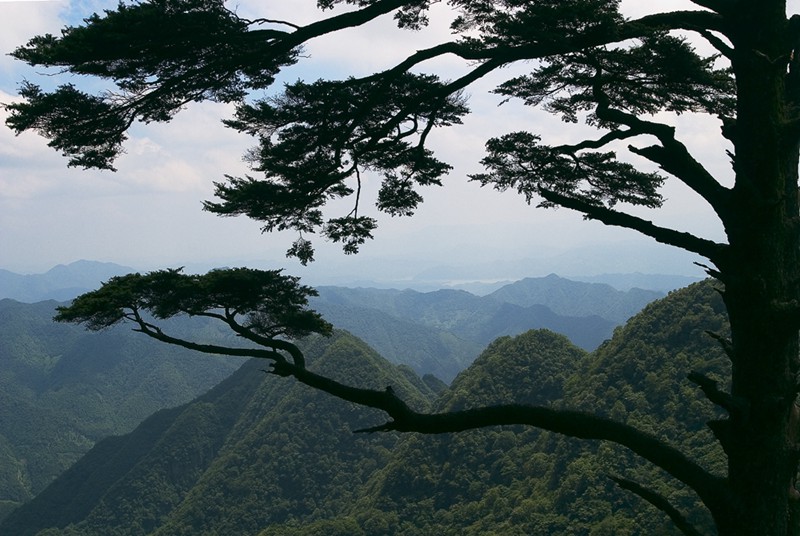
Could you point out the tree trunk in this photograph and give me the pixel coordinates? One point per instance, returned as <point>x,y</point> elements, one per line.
<point>761,283</point>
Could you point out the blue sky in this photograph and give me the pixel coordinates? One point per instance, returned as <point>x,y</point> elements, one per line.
<point>147,215</point>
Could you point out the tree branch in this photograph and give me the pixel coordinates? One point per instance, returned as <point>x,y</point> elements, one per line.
<point>674,158</point>
<point>735,406</point>
<point>159,335</point>
<point>660,502</point>
<point>715,5</point>
<point>717,43</point>
<point>685,20</point>
<point>269,342</point>
<point>707,248</point>
<point>671,155</point>
<point>404,419</point>
<point>349,19</point>
<point>570,423</point>
<point>727,345</point>
<point>504,54</point>
<point>602,141</point>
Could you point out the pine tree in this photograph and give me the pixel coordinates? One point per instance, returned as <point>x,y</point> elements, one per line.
<point>588,63</point>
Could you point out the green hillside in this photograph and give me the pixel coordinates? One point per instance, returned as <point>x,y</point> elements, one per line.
<point>480,481</point>
<point>425,349</point>
<point>256,450</point>
<point>62,389</point>
<point>520,481</point>
<point>261,455</point>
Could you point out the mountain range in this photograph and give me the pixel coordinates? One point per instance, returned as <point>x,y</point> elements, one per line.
<point>79,387</point>
<point>60,283</point>
<point>62,389</point>
<point>449,327</point>
<point>66,281</point>
<point>441,332</point>
<point>262,455</point>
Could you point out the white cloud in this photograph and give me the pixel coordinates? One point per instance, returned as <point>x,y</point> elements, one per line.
<point>19,22</point>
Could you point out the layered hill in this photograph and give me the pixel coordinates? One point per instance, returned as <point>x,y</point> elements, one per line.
<point>66,281</point>
<point>521,481</point>
<point>575,298</point>
<point>276,458</point>
<point>60,283</point>
<point>256,450</point>
<point>449,328</point>
<point>62,389</point>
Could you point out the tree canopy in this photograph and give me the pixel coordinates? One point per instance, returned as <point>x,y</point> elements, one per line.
<point>588,63</point>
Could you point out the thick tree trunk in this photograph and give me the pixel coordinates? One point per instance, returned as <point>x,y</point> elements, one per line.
<point>761,284</point>
<point>761,449</point>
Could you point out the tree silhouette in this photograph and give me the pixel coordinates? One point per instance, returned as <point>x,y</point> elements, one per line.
<point>587,63</point>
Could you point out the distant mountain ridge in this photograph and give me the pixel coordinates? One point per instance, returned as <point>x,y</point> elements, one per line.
<point>61,283</point>
<point>446,329</point>
<point>575,298</point>
<point>64,282</point>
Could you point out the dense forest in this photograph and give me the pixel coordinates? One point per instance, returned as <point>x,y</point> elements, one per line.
<point>63,389</point>
<point>262,455</point>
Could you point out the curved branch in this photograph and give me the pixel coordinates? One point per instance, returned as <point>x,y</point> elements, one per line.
<point>660,502</point>
<point>602,141</point>
<point>717,43</point>
<point>707,248</point>
<point>715,5</point>
<point>570,423</point>
<point>253,22</point>
<point>724,342</point>
<point>686,20</point>
<point>699,21</point>
<point>349,19</point>
<point>671,155</point>
<point>242,331</point>
<point>156,333</point>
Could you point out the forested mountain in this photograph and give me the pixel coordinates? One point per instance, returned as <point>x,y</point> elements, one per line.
<point>62,389</point>
<point>214,464</point>
<point>261,455</point>
<point>426,349</point>
<point>573,298</point>
<point>520,481</point>
<point>448,328</point>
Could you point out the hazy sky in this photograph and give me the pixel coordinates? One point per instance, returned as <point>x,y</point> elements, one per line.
<point>147,215</point>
